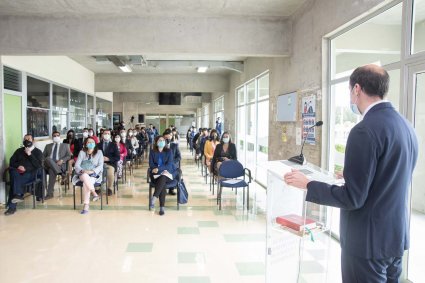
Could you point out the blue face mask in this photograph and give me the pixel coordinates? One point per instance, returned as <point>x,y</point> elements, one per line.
<point>161,144</point>
<point>91,145</point>
<point>355,108</point>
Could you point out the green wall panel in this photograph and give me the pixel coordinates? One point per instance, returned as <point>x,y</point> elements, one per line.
<point>12,124</point>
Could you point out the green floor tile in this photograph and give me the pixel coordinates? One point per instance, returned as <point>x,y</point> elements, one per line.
<point>244,238</point>
<point>194,279</point>
<point>250,268</point>
<point>190,257</point>
<point>139,247</point>
<point>223,212</point>
<point>199,196</point>
<point>187,230</point>
<point>204,224</point>
<point>125,196</point>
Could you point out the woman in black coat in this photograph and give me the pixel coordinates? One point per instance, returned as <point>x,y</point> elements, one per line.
<point>224,151</point>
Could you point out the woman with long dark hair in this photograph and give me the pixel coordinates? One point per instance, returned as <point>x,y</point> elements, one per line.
<point>88,169</point>
<point>162,167</point>
<point>210,146</point>
<point>224,151</point>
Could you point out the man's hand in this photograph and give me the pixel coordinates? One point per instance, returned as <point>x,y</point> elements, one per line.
<point>296,179</point>
<point>155,170</point>
<point>59,162</point>
<point>225,158</point>
<point>21,168</point>
<point>105,159</point>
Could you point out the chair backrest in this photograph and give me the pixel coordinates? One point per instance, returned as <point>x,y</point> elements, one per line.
<point>231,169</point>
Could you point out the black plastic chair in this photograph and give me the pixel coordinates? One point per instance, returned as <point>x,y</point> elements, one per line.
<point>173,184</point>
<point>30,187</point>
<point>232,175</point>
<point>96,185</point>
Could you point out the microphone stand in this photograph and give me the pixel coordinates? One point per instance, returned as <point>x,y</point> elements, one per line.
<point>300,159</point>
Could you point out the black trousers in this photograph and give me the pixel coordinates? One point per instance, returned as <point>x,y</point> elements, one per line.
<point>356,269</point>
<point>160,189</point>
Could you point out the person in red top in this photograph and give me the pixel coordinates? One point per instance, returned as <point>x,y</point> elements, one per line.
<point>123,153</point>
<point>72,140</point>
<point>93,136</point>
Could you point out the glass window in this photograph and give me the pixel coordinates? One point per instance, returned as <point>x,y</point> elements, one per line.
<point>377,40</point>
<point>38,93</point>
<point>263,141</point>
<point>263,87</point>
<point>241,134</point>
<point>77,111</point>
<point>418,28</point>
<point>103,113</point>
<point>250,88</point>
<point>38,122</point>
<point>90,111</point>
<point>60,109</point>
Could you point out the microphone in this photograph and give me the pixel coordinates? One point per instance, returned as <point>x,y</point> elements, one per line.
<point>299,159</point>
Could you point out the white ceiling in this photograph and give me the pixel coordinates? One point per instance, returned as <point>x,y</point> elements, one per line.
<point>145,8</point>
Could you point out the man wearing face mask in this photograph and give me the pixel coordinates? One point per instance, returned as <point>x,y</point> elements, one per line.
<point>111,156</point>
<point>56,155</point>
<point>380,156</point>
<point>24,164</point>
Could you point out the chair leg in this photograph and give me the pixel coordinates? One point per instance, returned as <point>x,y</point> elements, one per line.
<point>33,196</point>
<point>150,196</point>
<point>106,192</point>
<point>73,193</point>
<point>101,199</point>
<point>81,195</point>
<point>178,197</point>
<point>243,198</point>
<point>221,190</point>
<point>247,199</point>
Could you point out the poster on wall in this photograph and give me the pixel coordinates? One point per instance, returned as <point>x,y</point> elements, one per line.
<point>309,119</point>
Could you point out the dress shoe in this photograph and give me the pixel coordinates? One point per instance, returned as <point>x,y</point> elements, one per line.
<point>48,197</point>
<point>109,192</point>
<point>10,211</point>
<point>172,192</point>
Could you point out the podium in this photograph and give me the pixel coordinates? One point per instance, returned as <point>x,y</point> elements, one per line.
<point>298,232</point>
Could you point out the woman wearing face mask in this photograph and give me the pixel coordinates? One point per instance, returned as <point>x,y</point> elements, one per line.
<point>88,169</point>
<point>224,151</point>
<point>93,136</point>
<point>123,153</point>
<point>210,146</point>
<point>160,162</point>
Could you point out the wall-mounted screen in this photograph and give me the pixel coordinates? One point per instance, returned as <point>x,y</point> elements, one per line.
<point>287,107</point>
<point>169,98</point>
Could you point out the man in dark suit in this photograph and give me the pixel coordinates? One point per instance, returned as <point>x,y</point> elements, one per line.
<point>111,155</point>
<point>24,165</point>
<point>380,156</point>
<point>56,155</point>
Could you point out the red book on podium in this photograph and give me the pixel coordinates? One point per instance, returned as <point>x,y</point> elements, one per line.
<point>296,222</point>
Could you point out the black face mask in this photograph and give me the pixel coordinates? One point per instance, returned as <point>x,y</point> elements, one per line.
<point>27,143</point>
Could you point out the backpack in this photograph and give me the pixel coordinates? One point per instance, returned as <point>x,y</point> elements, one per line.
<point>183,194</point>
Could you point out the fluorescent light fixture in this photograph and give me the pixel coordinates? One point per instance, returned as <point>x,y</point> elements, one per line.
<point>125,69</point>
<point>202,69</point>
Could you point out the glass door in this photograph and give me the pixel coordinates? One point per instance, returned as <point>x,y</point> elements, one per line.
<point>416,113</point>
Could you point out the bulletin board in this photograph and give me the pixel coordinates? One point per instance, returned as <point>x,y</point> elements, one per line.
<point>287,107</point>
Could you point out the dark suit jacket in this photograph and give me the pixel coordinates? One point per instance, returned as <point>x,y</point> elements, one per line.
<point>167,161</point>
<point>380,156</point>
<point>112,152</point>
<point>219,154</point>
<point>64,153</point>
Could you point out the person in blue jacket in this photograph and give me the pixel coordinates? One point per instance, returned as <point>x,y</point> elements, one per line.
<point>160,162</point>
<point>380,156</point>
<point>175,151</point>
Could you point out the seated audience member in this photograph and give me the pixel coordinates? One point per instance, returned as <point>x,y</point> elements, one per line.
<point>123,153</point>
<point>56,155</point>
<point>74,147</point>
<point>132,133</point>
<point>111,155</point>
<point>203,139</point>
<point>93,136</point>
<point>224,151</point>
<point>160,162</point>
<point>209,148</point>
<point>24,164</point>
<point>175,152</point>
<point>88,169</point>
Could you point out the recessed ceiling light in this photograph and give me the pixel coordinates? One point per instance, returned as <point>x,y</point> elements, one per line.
<point>125,69</point>
<point>202,69</point>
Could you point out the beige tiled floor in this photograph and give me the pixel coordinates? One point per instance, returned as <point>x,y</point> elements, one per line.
<point>128,243</point>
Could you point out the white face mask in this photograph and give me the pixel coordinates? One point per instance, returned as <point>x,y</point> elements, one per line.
<point>123,135</point>
<point>90,134</point>
<point>226,140</point>
<point>106,137</point>
<point>56,139</point>
<point>85,134</point>
<point>130,134</point>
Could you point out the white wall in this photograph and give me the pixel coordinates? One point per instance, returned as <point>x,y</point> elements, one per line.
<point>59,69</point>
